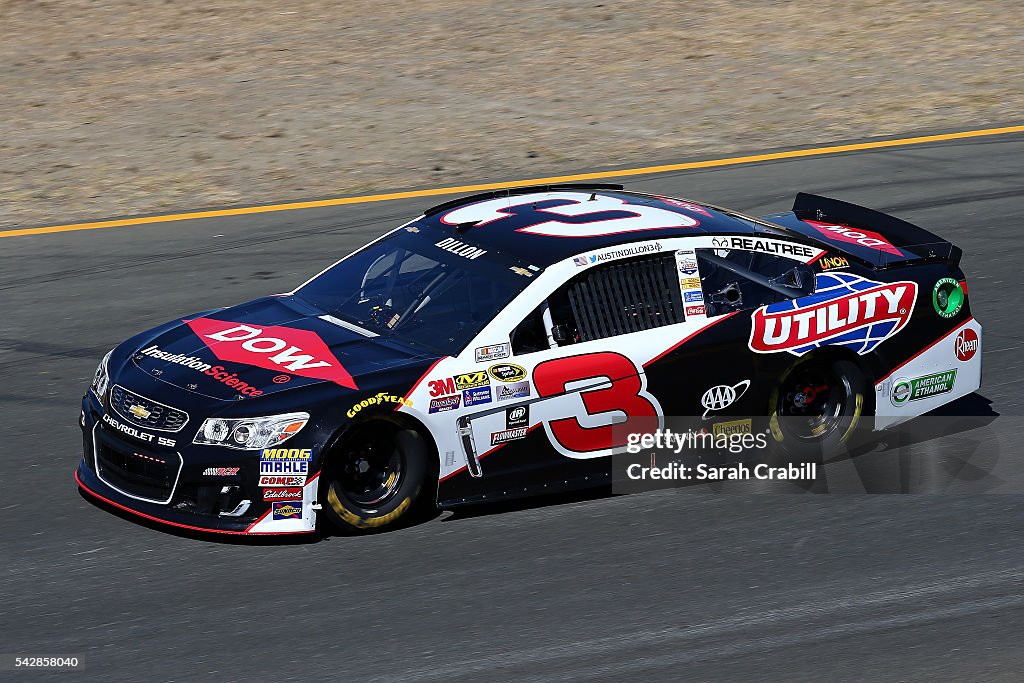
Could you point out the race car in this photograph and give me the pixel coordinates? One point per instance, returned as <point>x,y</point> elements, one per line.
<point>507,344</point>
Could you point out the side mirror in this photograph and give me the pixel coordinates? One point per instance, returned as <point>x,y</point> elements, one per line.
<point>560,333</point>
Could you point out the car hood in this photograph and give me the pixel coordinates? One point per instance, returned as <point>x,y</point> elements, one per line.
<point>265,346</point>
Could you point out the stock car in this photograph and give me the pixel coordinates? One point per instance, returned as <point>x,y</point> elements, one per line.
<point>507,343</point>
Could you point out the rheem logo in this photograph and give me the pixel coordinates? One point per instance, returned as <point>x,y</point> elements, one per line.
<point>966,344</point>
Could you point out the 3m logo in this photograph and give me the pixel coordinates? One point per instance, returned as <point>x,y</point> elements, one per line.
<point>847,310</point>
<point>471,380</point>
<point>300,352</point>
<point>865,238</point>
<point>441,387</point>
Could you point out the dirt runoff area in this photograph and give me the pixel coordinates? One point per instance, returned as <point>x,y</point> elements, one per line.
<point>141,106</point>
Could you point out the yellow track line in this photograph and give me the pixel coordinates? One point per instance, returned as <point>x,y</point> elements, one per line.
<point>621,173</point>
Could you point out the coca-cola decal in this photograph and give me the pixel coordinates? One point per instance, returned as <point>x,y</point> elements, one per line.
<point>275,348</point>
<point>846,310</point>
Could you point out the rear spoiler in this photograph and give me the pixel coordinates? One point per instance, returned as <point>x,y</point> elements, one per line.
<point>915,243</point>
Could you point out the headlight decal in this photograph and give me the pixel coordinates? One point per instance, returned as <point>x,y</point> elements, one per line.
<point>101,378</point>
<point>250,433</point>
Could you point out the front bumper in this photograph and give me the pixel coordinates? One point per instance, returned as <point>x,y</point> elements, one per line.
<point>169,481</point>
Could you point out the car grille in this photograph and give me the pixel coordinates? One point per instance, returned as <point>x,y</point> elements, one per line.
<point>136,471</point>
<point>143,412</point>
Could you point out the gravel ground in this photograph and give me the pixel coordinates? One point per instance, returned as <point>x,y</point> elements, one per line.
<point>124,107</point>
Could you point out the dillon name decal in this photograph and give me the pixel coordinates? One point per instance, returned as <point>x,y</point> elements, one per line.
<point>848,311</point>
<point>461,248</point>
<point>300,352</point>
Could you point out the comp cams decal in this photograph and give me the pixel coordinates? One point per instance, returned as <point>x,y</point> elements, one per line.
<point>846,310</point>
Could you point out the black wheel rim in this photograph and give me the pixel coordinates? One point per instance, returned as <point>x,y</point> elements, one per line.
<point>370,474</point>
<point>811,402</point>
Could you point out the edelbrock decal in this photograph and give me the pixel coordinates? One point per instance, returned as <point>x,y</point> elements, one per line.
<point>846,310</point>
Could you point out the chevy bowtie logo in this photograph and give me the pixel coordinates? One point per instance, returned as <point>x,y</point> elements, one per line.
<point>299,352</point>
<point>139,412</point>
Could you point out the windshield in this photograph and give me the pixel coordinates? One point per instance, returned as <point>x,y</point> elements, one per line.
<point>409,288</point>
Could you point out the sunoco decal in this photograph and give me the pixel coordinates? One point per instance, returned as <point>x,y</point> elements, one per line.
<point>847,310</point>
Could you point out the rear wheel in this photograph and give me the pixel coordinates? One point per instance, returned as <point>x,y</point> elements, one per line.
<point>375,479</point>
<point>818,407</point>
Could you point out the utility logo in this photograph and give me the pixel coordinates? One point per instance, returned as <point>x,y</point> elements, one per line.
<point>847,310</point>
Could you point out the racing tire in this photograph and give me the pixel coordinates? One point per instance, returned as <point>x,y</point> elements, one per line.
<point>820,409</point>
<point>376,479</point>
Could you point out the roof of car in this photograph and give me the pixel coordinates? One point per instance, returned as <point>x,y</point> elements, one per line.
<point>545,224</point>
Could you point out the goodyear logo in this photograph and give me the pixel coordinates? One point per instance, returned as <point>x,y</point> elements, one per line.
<point>471,380</point>
<point>304,454</point>
<point>507,372</point>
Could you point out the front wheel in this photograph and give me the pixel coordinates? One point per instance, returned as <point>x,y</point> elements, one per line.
<point>819,406</point>
<point>375,479</point>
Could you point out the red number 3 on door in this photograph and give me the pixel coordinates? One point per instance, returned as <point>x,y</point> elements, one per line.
<point>625,394</point>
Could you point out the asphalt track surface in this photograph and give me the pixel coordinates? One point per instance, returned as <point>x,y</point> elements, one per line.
<point>656,586</point>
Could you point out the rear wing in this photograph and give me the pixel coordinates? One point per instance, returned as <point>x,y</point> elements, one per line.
<point>907,243</point>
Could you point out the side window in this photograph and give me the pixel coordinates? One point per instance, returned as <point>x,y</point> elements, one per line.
<point>738,280</point>
<point>531,335</point>
<point>604,301</point>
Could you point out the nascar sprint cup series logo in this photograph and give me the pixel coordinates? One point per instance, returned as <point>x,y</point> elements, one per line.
<point>845,310</point>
